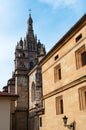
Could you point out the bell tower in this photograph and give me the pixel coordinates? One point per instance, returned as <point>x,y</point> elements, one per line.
<point>28,53</point>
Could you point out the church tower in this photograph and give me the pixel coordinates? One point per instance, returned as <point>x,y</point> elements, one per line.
<point>28,53</point>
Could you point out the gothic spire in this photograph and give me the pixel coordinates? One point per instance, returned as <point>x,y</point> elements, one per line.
<point>30,25</point>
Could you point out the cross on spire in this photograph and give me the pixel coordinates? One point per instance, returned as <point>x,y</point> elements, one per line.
<point>30,11</point>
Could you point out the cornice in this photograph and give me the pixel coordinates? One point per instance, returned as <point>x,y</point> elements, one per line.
<point>65,87</point>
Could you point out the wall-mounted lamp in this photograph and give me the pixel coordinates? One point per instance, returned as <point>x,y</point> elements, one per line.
<point>70,126</point>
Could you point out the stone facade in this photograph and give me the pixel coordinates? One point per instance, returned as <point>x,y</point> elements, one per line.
<point>64,81</point>
<point>35,94</point>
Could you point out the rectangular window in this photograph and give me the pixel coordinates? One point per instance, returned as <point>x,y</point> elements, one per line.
<point>82,98</point>
<point>78,37</point>
<point>40,119</point>
<point>57,73</point>
<point>85,97</point>
<point>59,105</point>
<point>83,57</point>
<point>56,57</point>
<point>80,55</point>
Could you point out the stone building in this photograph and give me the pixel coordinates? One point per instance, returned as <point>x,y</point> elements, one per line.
<point>64,82</point>
<point>28,54</point>
<point>50,86</point>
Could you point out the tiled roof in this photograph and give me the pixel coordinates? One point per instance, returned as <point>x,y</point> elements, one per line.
<point>5,94</point>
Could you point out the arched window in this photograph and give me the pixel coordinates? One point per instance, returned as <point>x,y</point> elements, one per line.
<point>33,92</point>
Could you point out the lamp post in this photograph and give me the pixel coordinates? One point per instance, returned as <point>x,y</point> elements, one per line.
<point>71,126</point>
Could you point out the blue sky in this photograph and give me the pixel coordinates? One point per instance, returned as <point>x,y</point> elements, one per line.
<point>51,20</point>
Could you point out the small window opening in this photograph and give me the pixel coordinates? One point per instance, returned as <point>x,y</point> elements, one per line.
<point>56,57</point>
<point>78,38</point>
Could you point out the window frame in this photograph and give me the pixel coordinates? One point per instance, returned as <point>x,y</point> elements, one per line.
<point>56,57</point>
<point>82,98</point>
<point>83,56</point>
<point>57,73</point>
<point>79,37</point>
<point>59,105</point>
<point>78,56</point>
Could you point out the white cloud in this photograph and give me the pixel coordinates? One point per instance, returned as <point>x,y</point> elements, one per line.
<point>73,4</point>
